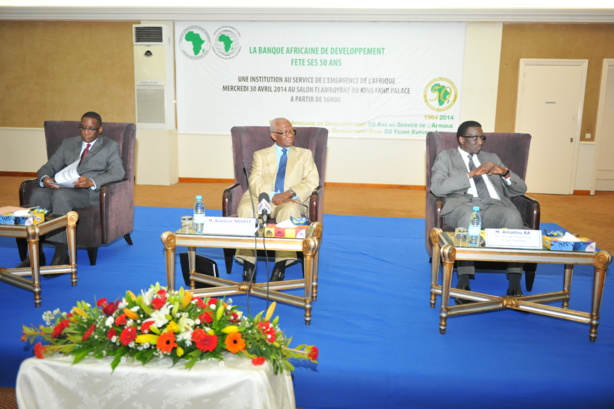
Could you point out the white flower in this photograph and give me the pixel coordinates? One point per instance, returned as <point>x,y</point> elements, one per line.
<point>159,316</point>
<point>48,317</point>
<point>186,337</point>
<point>110,320</point>
<point>185,322</point>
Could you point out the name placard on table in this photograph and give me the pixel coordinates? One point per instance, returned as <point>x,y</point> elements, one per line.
<point>231,226</point>
<point>514,238</point>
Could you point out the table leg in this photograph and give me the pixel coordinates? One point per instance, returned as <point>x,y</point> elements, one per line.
<point>33,245</point>
<point>448,254</point>
<point>567,276</point>
<point>71,239</point>
<point>435,261</point>
<point>191,263</point>
<point>169,240</point>
<point>602,260</point>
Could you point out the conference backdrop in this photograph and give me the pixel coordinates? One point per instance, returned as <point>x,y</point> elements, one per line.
<point>392,80</point>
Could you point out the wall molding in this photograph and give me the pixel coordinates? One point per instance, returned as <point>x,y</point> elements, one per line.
<point>84,13</point>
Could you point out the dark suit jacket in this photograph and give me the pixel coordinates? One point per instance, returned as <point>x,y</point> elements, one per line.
<point>449,180</point>
<point>103,163</point>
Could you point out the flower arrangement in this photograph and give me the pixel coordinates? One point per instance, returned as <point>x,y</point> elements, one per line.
<point>162,323</point>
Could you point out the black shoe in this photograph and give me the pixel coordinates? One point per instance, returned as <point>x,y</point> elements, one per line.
<point>515,293</point>
<point>461,301</point>
<point>25,263</point>
<point>59,259</point>
<point>278,275</point>
<point>249,272</point>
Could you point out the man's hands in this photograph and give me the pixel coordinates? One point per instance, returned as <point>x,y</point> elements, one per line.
<point>82,182</point>
<point>488,168</point>
<point>285,197</point>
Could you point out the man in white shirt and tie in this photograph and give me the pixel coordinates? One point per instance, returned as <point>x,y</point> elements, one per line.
<point>467,177</point>
<point>97,161</point>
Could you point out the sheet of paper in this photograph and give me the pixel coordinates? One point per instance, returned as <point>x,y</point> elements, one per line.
<point>67,176</point>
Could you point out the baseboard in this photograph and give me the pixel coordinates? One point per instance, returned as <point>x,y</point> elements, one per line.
<point>327,184</point>
<point>581,192</point>
<point>18,174</point>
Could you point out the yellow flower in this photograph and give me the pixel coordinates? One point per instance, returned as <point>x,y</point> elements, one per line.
<point>179,351</point>
<point>230,329</point>
<point>147,339</point>
<point>187,297</point>
<point>173,327</point>
<point>269,312</point>
<point>79,311</point>
<point>131,295</point>
<point>131,314</point>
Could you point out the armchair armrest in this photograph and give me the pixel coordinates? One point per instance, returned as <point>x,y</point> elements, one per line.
<point>25,190</point>
<point>314,205</point>
<point>230,199</point>
<point>116,209</point>
<point>529,210</point>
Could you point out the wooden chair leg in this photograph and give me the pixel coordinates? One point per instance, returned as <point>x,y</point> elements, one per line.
<point>128,238</point>
<point>229,259</point>
<point>529,275</point>
<point>92,253</point>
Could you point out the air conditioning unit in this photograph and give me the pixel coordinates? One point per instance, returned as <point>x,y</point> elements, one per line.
<point>153,76</point>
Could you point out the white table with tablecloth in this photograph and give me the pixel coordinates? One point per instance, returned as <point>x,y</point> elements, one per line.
<point>234,383</point>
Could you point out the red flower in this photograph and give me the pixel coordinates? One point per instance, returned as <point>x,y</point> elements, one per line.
<point>313,354</point>
<point>39,350</point>
<point>111,333</point>
<point>145,326</point>
<point>267,330</point>
<point>158,303</point>
<point>128,335</point>
<point>258,361</point>
<point>234,317</point>
<point>201,303</point>
<point>58,329</point>
<point>121,320</point>
<point>88,333</point>
<point>204,341</point>
<point>212,301</point>
<point>101,303</point>
<point>206,316</point>
<point>110,308</point>
<point>166,342</point>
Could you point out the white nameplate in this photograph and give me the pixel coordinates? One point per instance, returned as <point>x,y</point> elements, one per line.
<point>514,238</point>
<point>231,226</point>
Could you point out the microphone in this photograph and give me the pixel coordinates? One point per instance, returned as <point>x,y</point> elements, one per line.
<point>249,188</point>
<point>264,207</point>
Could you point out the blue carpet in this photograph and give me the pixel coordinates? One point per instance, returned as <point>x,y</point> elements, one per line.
<point>379,341</point>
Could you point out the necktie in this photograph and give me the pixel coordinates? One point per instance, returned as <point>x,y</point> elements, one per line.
<point>85,151</point>
<point>281,171</point>
<point>480,185</point>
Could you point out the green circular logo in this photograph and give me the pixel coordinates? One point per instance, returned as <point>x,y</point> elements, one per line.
<point>440,94</point>
<point>194,42</point>
<point>226,42</point>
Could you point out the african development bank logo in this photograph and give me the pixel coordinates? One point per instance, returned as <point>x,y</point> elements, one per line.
<point>440,94</point>
<point>227,42</point>
<point>194,42</point>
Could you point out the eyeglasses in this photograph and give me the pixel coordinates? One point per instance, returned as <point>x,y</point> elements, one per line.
<point>286,133</point>
<point>86,129</point>
<point>483,138</point>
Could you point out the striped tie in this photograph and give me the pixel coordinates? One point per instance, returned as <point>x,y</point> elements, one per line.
<point>480,185</point>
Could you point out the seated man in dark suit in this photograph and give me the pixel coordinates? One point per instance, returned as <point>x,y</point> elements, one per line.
<point>288,175</point>
<point>467,177</point>
<point>99,162</point>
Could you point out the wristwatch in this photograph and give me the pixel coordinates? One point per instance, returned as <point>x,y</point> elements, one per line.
<point>507,172</point>
<point>292,192</point>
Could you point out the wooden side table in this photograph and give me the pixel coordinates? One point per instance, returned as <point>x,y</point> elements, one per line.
<point>32,233</point>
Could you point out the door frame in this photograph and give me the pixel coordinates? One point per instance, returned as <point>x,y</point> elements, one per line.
<point>608,63</point>
<point>528,62</point>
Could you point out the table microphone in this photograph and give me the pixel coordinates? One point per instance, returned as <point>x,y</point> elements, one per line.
<point>264,207</point>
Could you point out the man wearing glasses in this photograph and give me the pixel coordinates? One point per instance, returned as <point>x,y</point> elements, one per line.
<point>467,177</point>
<point>97,162</point>
<point>288,175</point>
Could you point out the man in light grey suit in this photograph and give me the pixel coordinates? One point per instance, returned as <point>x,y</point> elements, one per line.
<point>288,175</point>
<point>458,180</point>
<point>99,162</point>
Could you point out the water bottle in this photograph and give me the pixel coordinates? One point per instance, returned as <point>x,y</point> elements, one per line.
<point>199,215</point>
<point>475,226</point>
